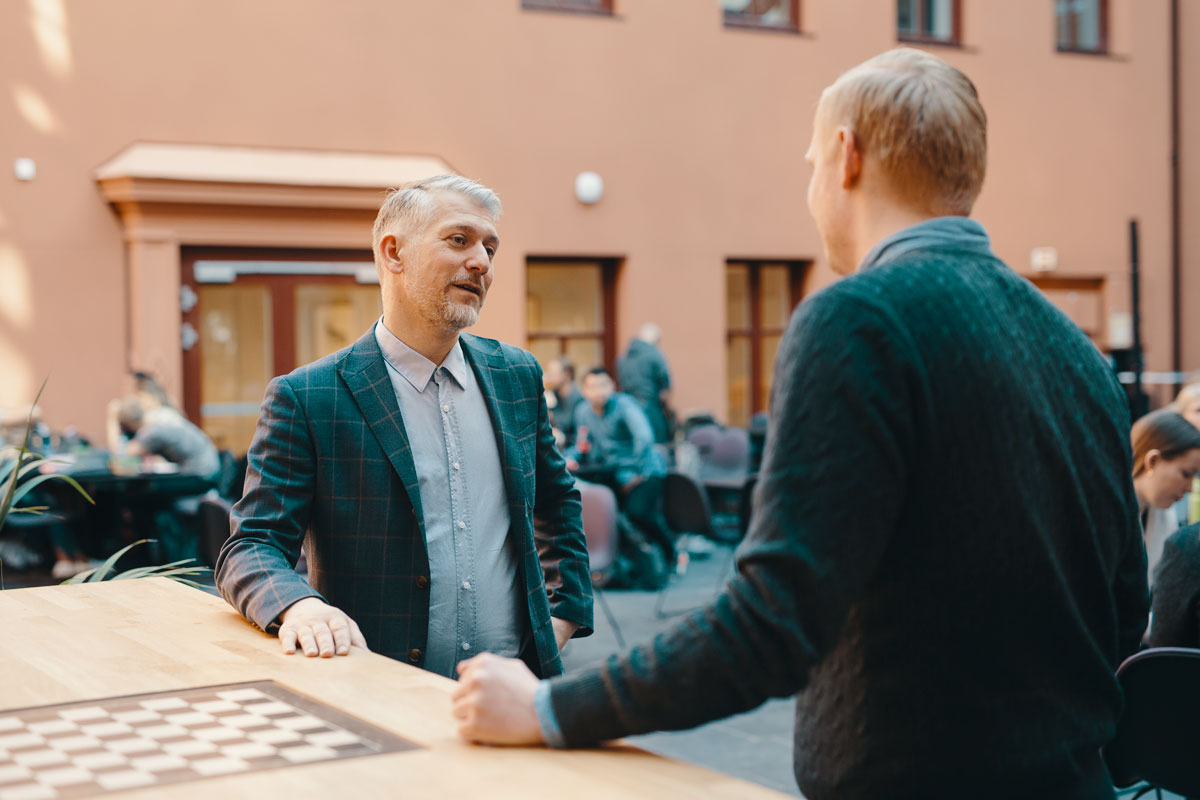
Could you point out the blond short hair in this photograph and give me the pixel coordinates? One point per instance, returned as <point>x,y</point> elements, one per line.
<point>411,206</point>
<point>922,121</point>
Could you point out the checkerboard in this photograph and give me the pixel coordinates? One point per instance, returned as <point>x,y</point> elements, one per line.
<point>117,743</point>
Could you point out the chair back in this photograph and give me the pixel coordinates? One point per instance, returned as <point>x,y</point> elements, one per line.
<point>599,524</point>
<point>214,527</point>
<point>1158,735</point>
<point>704,437</point>
<point>685,505</point>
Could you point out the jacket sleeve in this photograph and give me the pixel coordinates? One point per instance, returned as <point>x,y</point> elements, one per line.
<point>841,424</point>
<point>255,571</point>
<point>558,529</point>
<point>1176,592</point>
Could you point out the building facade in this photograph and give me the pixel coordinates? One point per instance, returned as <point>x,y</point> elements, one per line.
<point>193,182</point>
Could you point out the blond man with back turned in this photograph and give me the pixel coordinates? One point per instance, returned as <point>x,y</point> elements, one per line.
<point>944,561</point>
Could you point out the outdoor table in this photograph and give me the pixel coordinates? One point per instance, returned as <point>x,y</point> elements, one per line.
<point>66,644</point>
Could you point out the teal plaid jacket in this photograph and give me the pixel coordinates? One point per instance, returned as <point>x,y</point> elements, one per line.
<point>330,467</point>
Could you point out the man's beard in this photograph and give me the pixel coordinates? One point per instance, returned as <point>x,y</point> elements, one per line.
<point>440,310</point>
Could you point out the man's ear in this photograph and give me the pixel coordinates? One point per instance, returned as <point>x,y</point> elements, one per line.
<point>391,253</point>
<point>851,157</point>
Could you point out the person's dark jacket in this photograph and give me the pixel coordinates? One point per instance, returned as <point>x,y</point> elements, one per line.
<point>945,558</point>
<point>643,375</point>
<point>1176,599</point>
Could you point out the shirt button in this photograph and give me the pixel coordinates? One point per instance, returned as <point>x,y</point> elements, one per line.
<point>456,465</point>
<point>462,525</point>
<point>466,645</point>
<point>446,409</point>
<point>467,585</point>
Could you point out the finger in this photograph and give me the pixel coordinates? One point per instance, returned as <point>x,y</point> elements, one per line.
<point>287,639</point>
<point>341,635</point>
<point>356,637</point>
<point>307,643</point>
<point>324,639</point>
<point>460,709</point>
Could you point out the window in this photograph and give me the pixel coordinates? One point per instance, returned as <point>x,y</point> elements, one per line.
<point>759,297</point>
<point>1081,25</point>
<point>781,15</point>
<point>570,305</point>
<point>586,6</point>
<point>927,21</point>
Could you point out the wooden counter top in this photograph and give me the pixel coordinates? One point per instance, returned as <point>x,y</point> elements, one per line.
<point>87,641</point>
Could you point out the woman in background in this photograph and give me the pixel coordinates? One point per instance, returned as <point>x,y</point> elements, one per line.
<point>1166,457</point>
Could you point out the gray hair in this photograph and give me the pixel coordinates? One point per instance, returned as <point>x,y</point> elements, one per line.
<point>411,206</point>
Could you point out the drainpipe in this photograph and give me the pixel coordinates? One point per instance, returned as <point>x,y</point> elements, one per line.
<point>1176,242</point>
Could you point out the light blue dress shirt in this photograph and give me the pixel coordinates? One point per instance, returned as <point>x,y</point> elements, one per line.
<point>477,602</point>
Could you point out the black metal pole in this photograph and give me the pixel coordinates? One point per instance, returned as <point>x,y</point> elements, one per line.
<point>1136,402</point>
<point>1176,220</point>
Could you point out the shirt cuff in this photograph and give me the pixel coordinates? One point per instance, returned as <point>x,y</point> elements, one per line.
<point>545,716</point>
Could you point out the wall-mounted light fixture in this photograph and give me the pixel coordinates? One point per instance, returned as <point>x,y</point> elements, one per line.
<point>589,188</point>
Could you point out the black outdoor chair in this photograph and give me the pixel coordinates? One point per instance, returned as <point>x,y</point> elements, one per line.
<point>1158,735</point>
<point>214,527</point>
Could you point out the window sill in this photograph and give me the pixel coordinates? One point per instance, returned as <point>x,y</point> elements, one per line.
<point>590,12</point>
<point>743,25</point>
<point>912,38</point>
<point>1078,51</point>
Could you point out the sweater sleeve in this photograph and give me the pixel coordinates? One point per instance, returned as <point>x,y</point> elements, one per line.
<point>830,491</point>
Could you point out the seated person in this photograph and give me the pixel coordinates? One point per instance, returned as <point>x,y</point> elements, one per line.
<point>1187,403</point>
<point>562,398</point>
<point>1175,604</point>
<point>1166,457</point>
<point>612,432</point>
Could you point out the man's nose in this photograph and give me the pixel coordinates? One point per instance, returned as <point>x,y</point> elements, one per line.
<point>478,259</point>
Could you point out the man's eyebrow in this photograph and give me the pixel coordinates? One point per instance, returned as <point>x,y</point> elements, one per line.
<point>475,230</point>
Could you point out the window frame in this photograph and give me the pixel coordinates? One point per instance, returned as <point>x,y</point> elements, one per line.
<point>921,38</point>
<point>797,271</point>
<point>734,20</point>
<point>1101,48</point>
<point>569,7</point>
<point>609,266</point>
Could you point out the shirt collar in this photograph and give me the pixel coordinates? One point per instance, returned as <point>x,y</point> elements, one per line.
<point>962,233</point>
<point>416,368</point>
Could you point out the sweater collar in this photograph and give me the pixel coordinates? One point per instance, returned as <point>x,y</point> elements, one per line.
<point>961,233</point>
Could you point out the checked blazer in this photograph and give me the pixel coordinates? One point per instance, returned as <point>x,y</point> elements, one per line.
<point>330,467</point>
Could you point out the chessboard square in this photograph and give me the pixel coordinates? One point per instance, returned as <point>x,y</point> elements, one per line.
<point>272,709</point>
<point>81,714</point>
<point>17,740</point>
<point>99,760</point>
<point>69,744</point>
<point>219,766</point>
<point>125,779</point>
<point>307,752</point>
<point>300,722</point>
<point>141,715</point>
<point>216,706</point>
<point>241,695</point>
<point>159,763</point>
<point>40,758</point>
<point>14,772</point>
<point>11,724</point>
<point>64,776</point>
<point>245,721</point>
<point>189,747</point>
<point>52,726</point>
<point>333,738</point>
<point>102,729</point>
<point>27,791</point>
<point>274,736</point>
<point>217,734</point>
<point>248,750</point>
<point>134,744</point>
<point>164,703</point>
<point>189,718</point>
<point>162,732</point>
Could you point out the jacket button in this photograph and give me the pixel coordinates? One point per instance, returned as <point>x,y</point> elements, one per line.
<point>415,655</point>
<point>422,582</point>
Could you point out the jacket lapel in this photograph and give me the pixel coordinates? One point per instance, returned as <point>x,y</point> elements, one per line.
<point>365,373</point>
<point>495,379</point>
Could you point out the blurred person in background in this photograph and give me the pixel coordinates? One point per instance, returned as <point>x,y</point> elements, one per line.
<point>1187,403</point>
<point>1166,458</point>
<point>562,398</point>
<point>612,433</point>
<point>950,600</point>
<point>643,374</point>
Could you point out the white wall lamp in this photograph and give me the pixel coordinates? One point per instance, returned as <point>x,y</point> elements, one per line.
<point>589,188</point>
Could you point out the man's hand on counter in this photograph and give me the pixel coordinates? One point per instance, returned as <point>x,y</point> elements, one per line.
<point>319,629</point>
<point>493,701</point>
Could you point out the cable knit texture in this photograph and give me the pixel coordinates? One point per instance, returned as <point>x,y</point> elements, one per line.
<point>945,555</point>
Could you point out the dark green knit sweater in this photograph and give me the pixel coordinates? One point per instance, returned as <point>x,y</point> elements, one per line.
<point>945,559</point>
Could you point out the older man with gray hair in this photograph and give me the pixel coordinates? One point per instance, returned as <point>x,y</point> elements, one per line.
<point>418,469</point>
<point>945,560</point>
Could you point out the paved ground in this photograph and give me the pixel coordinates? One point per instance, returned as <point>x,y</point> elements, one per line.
<point>756,746</point>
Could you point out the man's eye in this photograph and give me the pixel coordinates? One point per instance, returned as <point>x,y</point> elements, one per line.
<point>491,251</point>
<point>458,238</point>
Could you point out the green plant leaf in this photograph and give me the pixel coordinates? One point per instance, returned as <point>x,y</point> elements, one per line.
<point>31,484</point>
<point>100,572</point>
<point>28,510</point>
